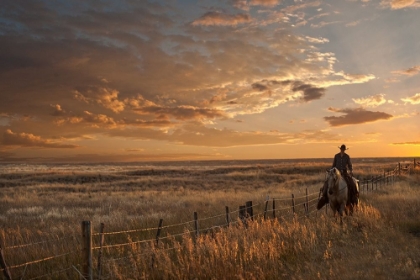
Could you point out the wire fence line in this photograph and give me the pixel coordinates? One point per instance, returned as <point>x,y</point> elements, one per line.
<point>39,242</point>
<point>245,214</point>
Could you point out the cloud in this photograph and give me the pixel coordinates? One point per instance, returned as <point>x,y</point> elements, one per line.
<point>58,111</point>
<point>182,112</point>
<point>355,116</point>
<point>408,72</point>
<point>310,92</point>
<point>198,135</point>
<point>241,4</point>
<point>139,70</point>
<point>104,121</point>
<point>319,40</point>
<point>11,138</point>
<point>371,101</point>
<point>413,143</point>
<point>269,3</point>
<point>259,87</point>
<point>400,4</point>
<point>218,18</point>
<point>415,99</point>
<point>324,23</point>
<point>104,96</point>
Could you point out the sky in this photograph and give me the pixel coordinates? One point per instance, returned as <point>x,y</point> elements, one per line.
<point>100,81</point>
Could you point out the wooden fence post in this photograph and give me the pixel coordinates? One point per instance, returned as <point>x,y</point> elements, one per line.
<point>266,208</point>
<point>249,209</point>
<point>3,265</point>
<point>227,215</point>
<point>87,250</point>
<point>373,181</point>
<point>274,208</point>
<point>196,224</point>
<point>384,182</point>
<point>293,203</point>
<point>307,203</point>
<point>242,213</point>
<point>101,244</point>
<point>158,231</point>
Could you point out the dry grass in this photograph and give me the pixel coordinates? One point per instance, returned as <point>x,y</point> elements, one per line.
<point>380,241</point>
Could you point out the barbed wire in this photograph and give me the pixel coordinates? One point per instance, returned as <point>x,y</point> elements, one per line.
<point>41,260</point>
<point>216,216</point>
<point>124,231</point>
<point>39,242</point>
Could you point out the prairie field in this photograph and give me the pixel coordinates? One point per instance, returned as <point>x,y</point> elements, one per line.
<point>201,236</point>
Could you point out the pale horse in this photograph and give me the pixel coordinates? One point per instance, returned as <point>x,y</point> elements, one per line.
<point>338,193</point>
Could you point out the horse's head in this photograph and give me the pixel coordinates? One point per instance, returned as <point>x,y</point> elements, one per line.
<point>333,176</point>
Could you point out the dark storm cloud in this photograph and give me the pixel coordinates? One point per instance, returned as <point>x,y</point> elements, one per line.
<point>355,116</point>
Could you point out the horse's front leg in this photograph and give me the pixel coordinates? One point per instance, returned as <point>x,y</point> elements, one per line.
<point>341,212</point>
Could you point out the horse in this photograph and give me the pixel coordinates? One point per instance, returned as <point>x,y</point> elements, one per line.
<point>337,192</point>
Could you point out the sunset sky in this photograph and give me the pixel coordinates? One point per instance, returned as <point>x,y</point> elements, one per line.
<point>208,79</point>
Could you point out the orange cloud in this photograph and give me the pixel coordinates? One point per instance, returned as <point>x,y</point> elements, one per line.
<point>104,96</point>
<point>400,4</point>
<point>408,72</point>
<point>269,3</point>
<point>355,116</point>
<point>29,140</point>
<point>218,18</point>
<point>182,112</point>
<point>413,143</point>
<point>97,120</point>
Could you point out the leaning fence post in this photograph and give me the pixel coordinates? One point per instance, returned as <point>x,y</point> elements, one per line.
<point>6,271</point>
<point>196,224</point>
<point>249,209</point>
<point>293,203</point>
<point>158,231</point>
<point>87,250</point>
<point>101,244</point>
<point>227,216</point>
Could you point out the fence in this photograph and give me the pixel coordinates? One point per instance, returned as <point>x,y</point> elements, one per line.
<point>87,254</point>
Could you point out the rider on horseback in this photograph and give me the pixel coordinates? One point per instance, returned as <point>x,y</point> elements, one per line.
<point>341,162</point>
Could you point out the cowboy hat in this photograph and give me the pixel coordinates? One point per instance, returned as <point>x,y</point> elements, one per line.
<point>343,147</point>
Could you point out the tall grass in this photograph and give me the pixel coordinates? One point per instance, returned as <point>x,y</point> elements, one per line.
<point>379,242</point>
